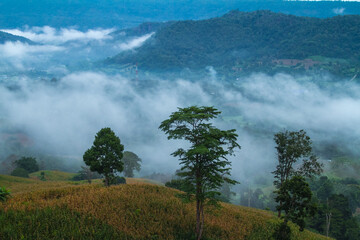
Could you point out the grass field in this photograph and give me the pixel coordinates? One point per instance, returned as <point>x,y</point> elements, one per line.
<point>137,210</point>
<point>53,175</point>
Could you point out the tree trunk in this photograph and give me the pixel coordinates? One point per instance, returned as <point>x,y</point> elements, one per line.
<point>328,218</point>
<point>198,219</point>
<point>279,211</point>
<point>202,220</point>
<point>107,183</point>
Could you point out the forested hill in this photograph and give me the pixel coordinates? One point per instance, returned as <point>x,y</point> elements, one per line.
<point>247,36</point>
<point>7,37</point>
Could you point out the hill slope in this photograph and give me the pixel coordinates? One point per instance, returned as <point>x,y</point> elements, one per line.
<point>7,37</point>
<point>131,211</point>
<point>239,36</point>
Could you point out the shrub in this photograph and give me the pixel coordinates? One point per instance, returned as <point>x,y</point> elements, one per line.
<point>20,172</point>
<point>4,194</point>
<point>118,180</point>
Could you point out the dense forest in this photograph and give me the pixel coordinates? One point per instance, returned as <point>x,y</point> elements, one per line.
<point>257,37</point>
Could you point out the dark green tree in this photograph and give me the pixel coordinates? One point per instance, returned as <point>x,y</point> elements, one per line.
<point>27,163</point>
<point>293,147</point>
<point>20,172</point>
<point>296,198</point>
<point>131,163</point>
<point>105,155</point>
<point>205,166</point>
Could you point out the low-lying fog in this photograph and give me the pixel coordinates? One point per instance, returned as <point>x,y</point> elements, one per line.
<point>62,117</point>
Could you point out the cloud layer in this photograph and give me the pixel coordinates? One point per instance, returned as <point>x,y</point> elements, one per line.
<point>63,118</point>
<point>49,35</point>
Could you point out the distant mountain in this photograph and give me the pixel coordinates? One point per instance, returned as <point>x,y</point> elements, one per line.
<point>236,37</point>
<point>7,37</point>
<point>129,13</point>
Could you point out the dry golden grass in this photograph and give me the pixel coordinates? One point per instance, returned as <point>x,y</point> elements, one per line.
<point>146,211</point>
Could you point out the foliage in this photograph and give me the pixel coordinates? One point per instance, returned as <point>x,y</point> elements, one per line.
<point>295,198</point>
<point>292,147</point>
<point>4,194</point>
<point>27,163</point>
<point>205,166</point>
<point>343,225</point>
<point>131,163</point>
<point>105,155</point>
<point>42,176</point>
<point>86,174</point>
<point>118,180</point>
<point>20,172</point>
<point>282,232</point>
<point>179,184</point>
<point>250,37</point>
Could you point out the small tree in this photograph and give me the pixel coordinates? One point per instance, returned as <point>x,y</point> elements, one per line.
<point>292,147</point>
<point>131,163</point>
<point>205,166</point>
<point>27,163</point>
<point>295,196</point>
<point>105,155</point>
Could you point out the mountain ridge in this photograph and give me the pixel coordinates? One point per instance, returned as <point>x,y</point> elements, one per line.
<point>242,36</point>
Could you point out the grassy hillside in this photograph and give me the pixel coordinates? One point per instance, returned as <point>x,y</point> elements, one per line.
<point>131,211</point>
<point>53,175</point>
<point>19,185</point>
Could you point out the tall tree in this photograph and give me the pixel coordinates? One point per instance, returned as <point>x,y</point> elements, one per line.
<point>205,166</point>
<point>131,163</point>
<point>105,155</point>
<point>293,147</point>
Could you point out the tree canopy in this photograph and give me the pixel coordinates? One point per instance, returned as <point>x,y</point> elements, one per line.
<point>105,155</point>
<point>28,163</point>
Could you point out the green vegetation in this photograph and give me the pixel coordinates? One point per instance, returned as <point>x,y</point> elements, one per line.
<point>338,202</point>
<point>54,223</point>
<point>131,163</point>
<point>86,174</point>
<point>248,41</point>
<point>132,211</point>
<point>27,163</point>
<point>50,175</point>
<point>20,172</point>
<point>105,155</point>
<point>205,167</point>
<point>295,200</point>
<point>4,194</point>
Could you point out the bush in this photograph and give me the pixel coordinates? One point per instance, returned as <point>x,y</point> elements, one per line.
<point>27,163</point>
<point>178,184</point>
<point>118,180</point>
<point>282,232</point>
<point>20,172</point>
<point>4,194</point>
